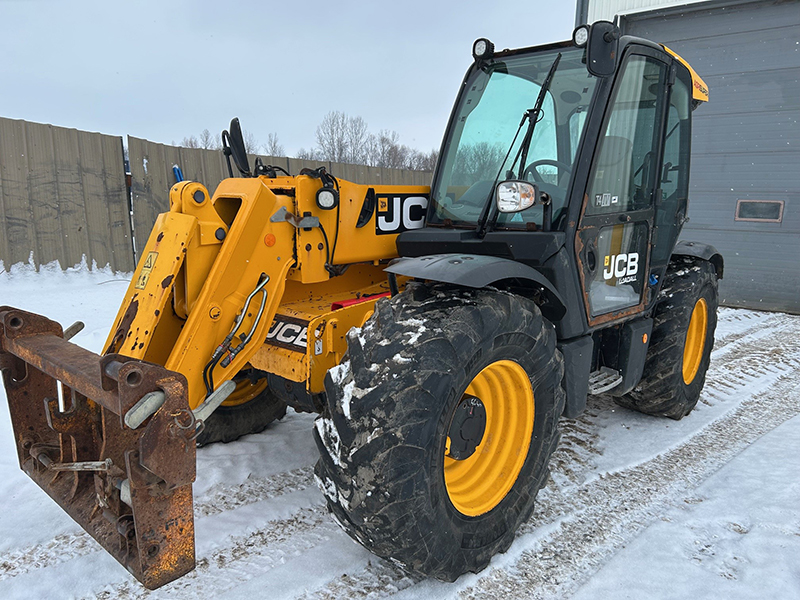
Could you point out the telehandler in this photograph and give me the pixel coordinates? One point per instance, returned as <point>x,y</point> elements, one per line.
<point>440,332</point>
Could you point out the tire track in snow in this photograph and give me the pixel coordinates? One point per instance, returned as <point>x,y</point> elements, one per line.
<point>379,578</point>
<point>40,556</point>
<point>223,497</point>
<point>246,557</point>
<point>754,323</point>
<point>728,375</point>
<point>578,445</point>
<point>218,499</point>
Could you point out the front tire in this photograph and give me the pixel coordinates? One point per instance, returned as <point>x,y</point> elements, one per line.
<point>386,455</point>
<point>681,343</point>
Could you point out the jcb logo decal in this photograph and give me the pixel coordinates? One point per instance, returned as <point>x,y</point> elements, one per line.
<point>622,266</point>
<point>289,333</point>
<point>398,213</point>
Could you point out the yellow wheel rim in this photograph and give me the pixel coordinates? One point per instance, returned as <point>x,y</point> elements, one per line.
<point>695,341</point>
<point>477,484</point>
<point>245,391</point>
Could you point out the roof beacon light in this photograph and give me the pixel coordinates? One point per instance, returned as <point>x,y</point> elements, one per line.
<point>482,49</point>
<point>580,36</point>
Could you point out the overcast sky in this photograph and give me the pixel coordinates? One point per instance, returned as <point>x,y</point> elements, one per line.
<point>163,70</point>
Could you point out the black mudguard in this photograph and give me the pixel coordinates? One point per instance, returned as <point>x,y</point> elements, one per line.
<point>476,271</point>
<point>703,251</point>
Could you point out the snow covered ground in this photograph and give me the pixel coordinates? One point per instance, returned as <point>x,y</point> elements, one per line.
<point>637,507</point>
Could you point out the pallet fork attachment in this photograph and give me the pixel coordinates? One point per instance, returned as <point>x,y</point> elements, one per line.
<point>130,489</point>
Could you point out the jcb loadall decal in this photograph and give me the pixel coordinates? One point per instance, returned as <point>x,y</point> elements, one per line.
<point>622,266</point>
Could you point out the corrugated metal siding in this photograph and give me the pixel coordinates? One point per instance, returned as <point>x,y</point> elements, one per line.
<point>746,142</point>
<point>62,196</point>
<point>606,9</point>
<point>152,176</point>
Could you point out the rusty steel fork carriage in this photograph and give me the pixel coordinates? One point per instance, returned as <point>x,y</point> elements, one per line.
<point>130,489</point>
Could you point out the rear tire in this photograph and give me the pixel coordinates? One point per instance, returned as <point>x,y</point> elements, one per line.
<point>681,343</point>
<point>383,436</point>
<point>230,422</point>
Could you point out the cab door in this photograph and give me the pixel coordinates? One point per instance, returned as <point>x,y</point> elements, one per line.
<point>616,223</point>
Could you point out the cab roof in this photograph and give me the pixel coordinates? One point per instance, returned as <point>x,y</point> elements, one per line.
<point>699,87</point>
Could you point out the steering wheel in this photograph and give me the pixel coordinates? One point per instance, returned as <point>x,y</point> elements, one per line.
<point>531,168</point>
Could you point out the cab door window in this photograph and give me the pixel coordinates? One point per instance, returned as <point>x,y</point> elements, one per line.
<point>674,176</point>
<point>624,167</point>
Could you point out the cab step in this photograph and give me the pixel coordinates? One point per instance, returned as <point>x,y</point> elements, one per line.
<point>603,380</point>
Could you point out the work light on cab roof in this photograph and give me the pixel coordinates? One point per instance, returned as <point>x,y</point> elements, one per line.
<point>580,36</point>
<point>482,49</point>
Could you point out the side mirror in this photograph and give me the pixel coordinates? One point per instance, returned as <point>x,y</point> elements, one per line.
<point>237,149</point>
<point>601,48</point>
<point>515,196</point>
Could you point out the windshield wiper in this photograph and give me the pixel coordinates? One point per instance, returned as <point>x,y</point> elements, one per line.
<point>533,116</point>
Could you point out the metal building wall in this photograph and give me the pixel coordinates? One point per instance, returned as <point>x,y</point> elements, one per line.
<point>62,196</point>
<point>605,10</point>
<point>152,176</point>
<point>746,140</point>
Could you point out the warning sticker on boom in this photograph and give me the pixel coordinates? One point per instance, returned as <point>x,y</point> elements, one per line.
<point>147,268</point>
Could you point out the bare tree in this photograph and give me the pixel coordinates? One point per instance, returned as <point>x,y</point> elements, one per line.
<point>341,138</point>
<point>251,144</point>
<point>190,142</point>
<point>209,141</point>
<point>385,148</point>
<point>273,147</point>
<point>356,136</point>
<point>332,137</point>
<point>310,154</point>
<point>476,161</point>
<point>422,161</point>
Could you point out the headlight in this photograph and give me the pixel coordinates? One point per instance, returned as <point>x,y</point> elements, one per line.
<point>580,36</point>
<point>327,198</point>
<point>514,196</point>
<point>482,49</point>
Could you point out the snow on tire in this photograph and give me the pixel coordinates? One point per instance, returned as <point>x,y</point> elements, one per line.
<point>385,465</point>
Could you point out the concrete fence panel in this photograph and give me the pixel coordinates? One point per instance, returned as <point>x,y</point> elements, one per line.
<point>62,196</point>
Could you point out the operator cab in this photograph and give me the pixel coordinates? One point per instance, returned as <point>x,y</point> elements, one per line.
<point>498,134</point>
<point>571,158</point>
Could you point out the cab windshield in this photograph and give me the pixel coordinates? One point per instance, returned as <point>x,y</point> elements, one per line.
<point>487,118</point>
